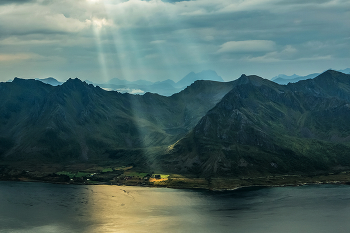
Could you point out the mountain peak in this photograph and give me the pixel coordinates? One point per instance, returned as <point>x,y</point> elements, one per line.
<point>17,79</point>
<point>333,76</point>
<point>253,79</point>
<point>50,80</point>
<point>330,74</point>
<point>283,76</point>
<point>22,81</point>
<point>243,76</point>
<point>330,71</point>
<point>75,83</point>
<point>285,79</point>
<point>203,75</point>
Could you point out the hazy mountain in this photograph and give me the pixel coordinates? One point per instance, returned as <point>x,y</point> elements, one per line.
<point>285,79</point>
<point>167,87</point>
<point>345,71</point>
<point>116,81</point>
<point>89,82</point>
<point>261,127</point>
<point>168,81</point>
<point>204,75</point>
<point>283,76</point>
<point>50,80</point>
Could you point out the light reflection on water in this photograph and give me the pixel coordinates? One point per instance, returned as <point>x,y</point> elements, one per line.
<point>38,207</point>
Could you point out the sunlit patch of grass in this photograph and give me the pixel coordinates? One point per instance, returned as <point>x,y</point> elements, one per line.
<point>135,174</point>
<point>75,174</point>
<point>107,170</point>
<point>171,147</point>
<point>162,176</point>
<point>177,176</point>
<point>123,168</point>
<point>70,174</point>
<point>82,174</point>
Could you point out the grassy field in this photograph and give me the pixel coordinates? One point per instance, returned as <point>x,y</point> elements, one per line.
<point>74,174</point>
<point>130,176</point>
<point>135,174</point>
<point>123,168</point>
<point>107,170</point>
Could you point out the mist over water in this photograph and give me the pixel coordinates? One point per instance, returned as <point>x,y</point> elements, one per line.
<point>40,207</point>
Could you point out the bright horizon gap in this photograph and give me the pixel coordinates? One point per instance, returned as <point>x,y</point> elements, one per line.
<point>82,79</point>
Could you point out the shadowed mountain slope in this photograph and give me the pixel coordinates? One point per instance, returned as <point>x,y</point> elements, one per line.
<point>250,126</point>
<point>77,121</point>
<point>261,127</point>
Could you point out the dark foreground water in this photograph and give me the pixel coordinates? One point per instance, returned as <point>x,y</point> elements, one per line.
<point>39,207</point>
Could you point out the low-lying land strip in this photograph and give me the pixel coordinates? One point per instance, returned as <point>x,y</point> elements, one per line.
<point>128,175</point>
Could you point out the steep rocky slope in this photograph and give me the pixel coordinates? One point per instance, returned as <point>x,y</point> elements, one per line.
<point>250,126</point>
<point>260,127</point>
<point>76,121</point>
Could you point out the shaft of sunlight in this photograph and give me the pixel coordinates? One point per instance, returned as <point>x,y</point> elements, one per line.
<point>97,25</point>
<point>131,58</point>
<point>128,50</point>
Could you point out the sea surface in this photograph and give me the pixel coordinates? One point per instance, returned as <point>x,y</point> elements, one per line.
<point>40,207</point>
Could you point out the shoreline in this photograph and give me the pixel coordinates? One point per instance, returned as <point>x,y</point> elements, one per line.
<point>95,174</point>
<point>216,184</point>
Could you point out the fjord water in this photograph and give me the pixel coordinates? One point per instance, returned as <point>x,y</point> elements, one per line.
<point>40,207</point>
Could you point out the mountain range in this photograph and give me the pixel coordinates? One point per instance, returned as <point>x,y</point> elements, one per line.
<point>50,80</point>
<point>169,87</point>
<point>285,79</point>
<point>166,88</point>
<point>261,127</point>
<point>76,120</point>
<point>249,126</point>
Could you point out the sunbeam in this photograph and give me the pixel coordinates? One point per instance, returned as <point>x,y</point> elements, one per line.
<point>132,59</point>
<point>129,60</point>
<point>170,52</point>
<point>97,24</point>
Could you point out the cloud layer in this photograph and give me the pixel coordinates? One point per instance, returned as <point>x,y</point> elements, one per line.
<point>247,46</point>
<point>159,39</point>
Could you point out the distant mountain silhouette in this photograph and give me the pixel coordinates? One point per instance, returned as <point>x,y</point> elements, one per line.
<point>51,81</point>
<point>204,75</point>
<point>285,79</point>
<point>167,87</point>
<point>116,81</point>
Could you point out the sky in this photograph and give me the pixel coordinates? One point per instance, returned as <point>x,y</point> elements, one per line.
<point>155,40</point>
